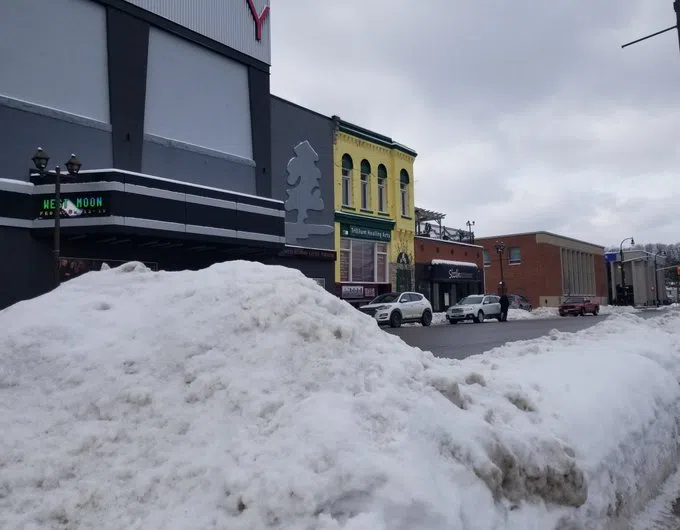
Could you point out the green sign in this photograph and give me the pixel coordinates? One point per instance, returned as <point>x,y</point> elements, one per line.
<point>362,232</point>
<point>73,205</point>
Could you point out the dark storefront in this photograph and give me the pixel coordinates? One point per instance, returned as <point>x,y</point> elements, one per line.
<point>446,282</point>
<point>115,216</point>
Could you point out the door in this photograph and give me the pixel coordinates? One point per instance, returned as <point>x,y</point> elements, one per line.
<point>492,305</point>
<point>406,306</point>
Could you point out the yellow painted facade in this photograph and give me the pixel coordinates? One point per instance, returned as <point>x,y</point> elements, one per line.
<point>361,145</point>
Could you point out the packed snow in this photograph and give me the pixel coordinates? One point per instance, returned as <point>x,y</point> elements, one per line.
<point>246,397</point>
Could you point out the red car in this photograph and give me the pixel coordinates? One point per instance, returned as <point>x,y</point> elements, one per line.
<point>578,305</point>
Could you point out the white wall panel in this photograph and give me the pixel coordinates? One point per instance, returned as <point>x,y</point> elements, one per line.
<point>196,96</point>
<point>228,22</point>
<point>53,53</point>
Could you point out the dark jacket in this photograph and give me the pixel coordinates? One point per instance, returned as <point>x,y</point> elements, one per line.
<point>505,303</point>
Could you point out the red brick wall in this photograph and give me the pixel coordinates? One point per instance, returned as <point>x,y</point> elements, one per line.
<point>427,249</point>
<point>539,274</point>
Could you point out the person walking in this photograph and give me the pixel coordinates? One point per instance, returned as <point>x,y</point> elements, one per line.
<point>505,306</point>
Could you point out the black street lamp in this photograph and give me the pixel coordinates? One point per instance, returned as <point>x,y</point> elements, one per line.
<point>470,224</point>
<point>73,165</point>
<point>623,270</point>
<point>499,247</point>
<point>676,8</point>
<point>656,276</point>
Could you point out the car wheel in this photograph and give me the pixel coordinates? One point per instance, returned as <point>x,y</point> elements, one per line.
<point>453,322</point>
<point>582,313</point>
<point>479,318</point>
<point>596,311</point>
<point>395,319</point>
<point>426,319</point>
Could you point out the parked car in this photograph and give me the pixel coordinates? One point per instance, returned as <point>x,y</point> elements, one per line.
<point>476,307</point>
<point>397,308</point>
<point>578,305</point>
<point>517,301</point>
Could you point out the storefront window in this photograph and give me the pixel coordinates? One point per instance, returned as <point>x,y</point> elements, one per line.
<point>363,261</point>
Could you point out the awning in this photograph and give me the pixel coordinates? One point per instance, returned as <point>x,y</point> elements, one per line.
<point>454,271</point>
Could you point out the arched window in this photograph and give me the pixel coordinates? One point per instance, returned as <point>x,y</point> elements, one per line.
<point>365,185</point>
<point>403,190</point>
<point>382,188</point>
<point>347,167</point>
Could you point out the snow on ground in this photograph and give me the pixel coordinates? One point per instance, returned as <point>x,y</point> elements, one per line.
<point>245,396</point>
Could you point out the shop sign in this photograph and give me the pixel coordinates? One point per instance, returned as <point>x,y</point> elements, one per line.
<point>362,232</point>
<point>73,206</point>
<point>308,253</point>
<point>353,291</point>
<point>452,273</point>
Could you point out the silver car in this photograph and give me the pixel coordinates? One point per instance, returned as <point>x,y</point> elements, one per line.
<point>476,307</point>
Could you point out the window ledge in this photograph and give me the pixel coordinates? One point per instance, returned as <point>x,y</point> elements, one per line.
<point>366,211</point>
<point>344,207</point>
<point>407,217</point>
<point>514,263</point>
<point>385,214</point>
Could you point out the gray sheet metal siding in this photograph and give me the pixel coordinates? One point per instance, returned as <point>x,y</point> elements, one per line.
<point>228,22</point>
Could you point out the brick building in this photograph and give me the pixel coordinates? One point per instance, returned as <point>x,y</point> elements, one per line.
<point>544,267</point>
<point>448,265</point>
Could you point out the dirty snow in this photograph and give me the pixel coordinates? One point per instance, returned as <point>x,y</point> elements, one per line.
<point>245,396</point>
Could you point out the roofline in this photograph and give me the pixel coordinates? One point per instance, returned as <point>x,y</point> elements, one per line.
<point>544,232</point>
<point>300,107</point>
<point>371,136</point>
<point>449,241</point>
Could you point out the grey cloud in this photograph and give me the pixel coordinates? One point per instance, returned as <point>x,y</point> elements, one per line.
<point>508,104</point>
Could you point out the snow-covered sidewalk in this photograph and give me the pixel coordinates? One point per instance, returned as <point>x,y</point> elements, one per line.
<point>245,397</point>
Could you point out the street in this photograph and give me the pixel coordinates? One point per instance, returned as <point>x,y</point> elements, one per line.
<point>463,340</point>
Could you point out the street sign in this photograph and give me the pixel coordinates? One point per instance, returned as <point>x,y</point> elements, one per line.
<point>610,256</point>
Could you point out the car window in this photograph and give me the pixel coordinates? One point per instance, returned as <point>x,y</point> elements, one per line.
<point>574,300</point>
<point>416,297</point>
<point>388,298</point>
<point>404,298</point>
<point>471,300</point>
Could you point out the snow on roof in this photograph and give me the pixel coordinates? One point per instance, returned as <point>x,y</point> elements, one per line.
<point>245,396</point>
<point>454,263</point>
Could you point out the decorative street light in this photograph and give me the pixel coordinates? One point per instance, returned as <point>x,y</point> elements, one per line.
<point>470,224</point>
<point>623,270</point>
<point>656,276</point>
<point>73,165</point>
<point>499,247</point>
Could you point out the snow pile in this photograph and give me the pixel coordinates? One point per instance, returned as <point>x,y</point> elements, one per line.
<point>540,313</point>
<point>245,396</point>
<point>618,309</point>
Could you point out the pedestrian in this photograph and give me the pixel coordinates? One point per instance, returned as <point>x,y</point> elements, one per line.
<point>505,305</point>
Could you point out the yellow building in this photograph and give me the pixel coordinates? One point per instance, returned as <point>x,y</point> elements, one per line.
<point>374,213</point>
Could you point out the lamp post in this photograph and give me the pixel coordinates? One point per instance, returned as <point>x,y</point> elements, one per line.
<point>73,165</point>
<point>470,224</point>
<point>499,247</point>
<point>656,276</point>
<point>623,271</point>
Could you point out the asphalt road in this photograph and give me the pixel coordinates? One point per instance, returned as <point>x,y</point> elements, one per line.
<point>463,340</point>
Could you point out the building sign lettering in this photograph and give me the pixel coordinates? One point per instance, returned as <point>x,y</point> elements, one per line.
<point>73,206</point>
<point>259,18</point>
<point>362,232</point>
<point>352,291</point>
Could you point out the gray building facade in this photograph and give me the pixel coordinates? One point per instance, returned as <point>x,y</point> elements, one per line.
<point>643,279</point>
<point>302,177</point>
<point>167,104</point>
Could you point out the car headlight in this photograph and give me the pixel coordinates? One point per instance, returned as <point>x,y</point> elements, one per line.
<point>382,307</point>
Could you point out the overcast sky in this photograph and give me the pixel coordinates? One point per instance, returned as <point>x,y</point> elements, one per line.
<point>526,115</point>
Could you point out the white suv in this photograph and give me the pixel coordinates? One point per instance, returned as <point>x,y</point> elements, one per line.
<point>397,308</point>
<point>476,307</point>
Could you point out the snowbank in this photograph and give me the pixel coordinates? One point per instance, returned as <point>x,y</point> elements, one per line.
<point>246,397</point>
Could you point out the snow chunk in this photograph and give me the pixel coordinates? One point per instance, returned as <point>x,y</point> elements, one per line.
<point>456,263</point>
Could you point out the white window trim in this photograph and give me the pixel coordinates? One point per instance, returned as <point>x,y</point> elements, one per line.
<point>346,182</point>
<point>375,261</point>
<point>403,190</point>
<point>382,195</point>
<point>365,191</point>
